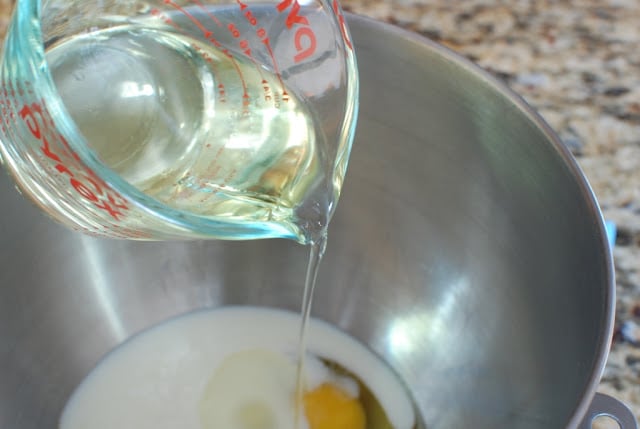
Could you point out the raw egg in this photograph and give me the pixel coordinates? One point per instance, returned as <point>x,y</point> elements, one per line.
<point>256,389</point>
<point>236,368</point>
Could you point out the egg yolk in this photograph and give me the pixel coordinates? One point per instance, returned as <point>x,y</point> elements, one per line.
<point>329,407</point>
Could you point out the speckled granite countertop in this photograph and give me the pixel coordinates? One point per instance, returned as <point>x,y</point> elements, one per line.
<point>578,63</point>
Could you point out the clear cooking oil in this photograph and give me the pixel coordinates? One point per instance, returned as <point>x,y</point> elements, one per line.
<point>197,129</point>
<point>201,131</point>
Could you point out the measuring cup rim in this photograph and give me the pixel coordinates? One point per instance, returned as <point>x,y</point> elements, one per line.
<point>28,16</point>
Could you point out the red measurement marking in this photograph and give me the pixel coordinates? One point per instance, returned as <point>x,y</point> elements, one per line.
<point>343,26</point>
<point>167,20</point>
<point>206,56</point>
<point>245,93</point>
<point>207,33</point>
<point>253,21</point>
<point>244,45</point>
<point>267,90</point>
<point>258,66</point>
<point>209,14</point>
<point>233,30</point>
<point>222,93</point>
<point>261,33</point>
<point>215,42</point>
<point>276,69</point>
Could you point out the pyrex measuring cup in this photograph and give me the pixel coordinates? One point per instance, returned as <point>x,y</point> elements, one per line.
<point>180,119</point>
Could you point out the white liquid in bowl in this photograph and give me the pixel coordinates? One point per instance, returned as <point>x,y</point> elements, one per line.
<point>162,378</point>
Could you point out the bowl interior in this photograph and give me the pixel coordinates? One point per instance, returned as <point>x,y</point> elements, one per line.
<point>467,251</point>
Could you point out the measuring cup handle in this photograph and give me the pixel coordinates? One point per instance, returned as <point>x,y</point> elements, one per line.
<point>605,405</point>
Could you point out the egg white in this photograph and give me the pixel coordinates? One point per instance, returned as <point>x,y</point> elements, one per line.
<point>161,378</point>
<point>249,390</point>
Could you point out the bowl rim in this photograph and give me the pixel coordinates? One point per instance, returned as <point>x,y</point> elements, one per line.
<point>586,191</point>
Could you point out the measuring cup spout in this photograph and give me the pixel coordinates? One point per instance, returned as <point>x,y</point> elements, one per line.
<point>180,119</point>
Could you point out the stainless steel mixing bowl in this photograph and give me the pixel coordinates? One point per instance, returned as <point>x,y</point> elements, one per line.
<point>467,251</point>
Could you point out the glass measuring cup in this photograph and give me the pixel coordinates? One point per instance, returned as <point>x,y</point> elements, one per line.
<point>171,119</point>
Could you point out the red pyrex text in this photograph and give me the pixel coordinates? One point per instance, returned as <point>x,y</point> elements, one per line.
<point>84,182</point>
